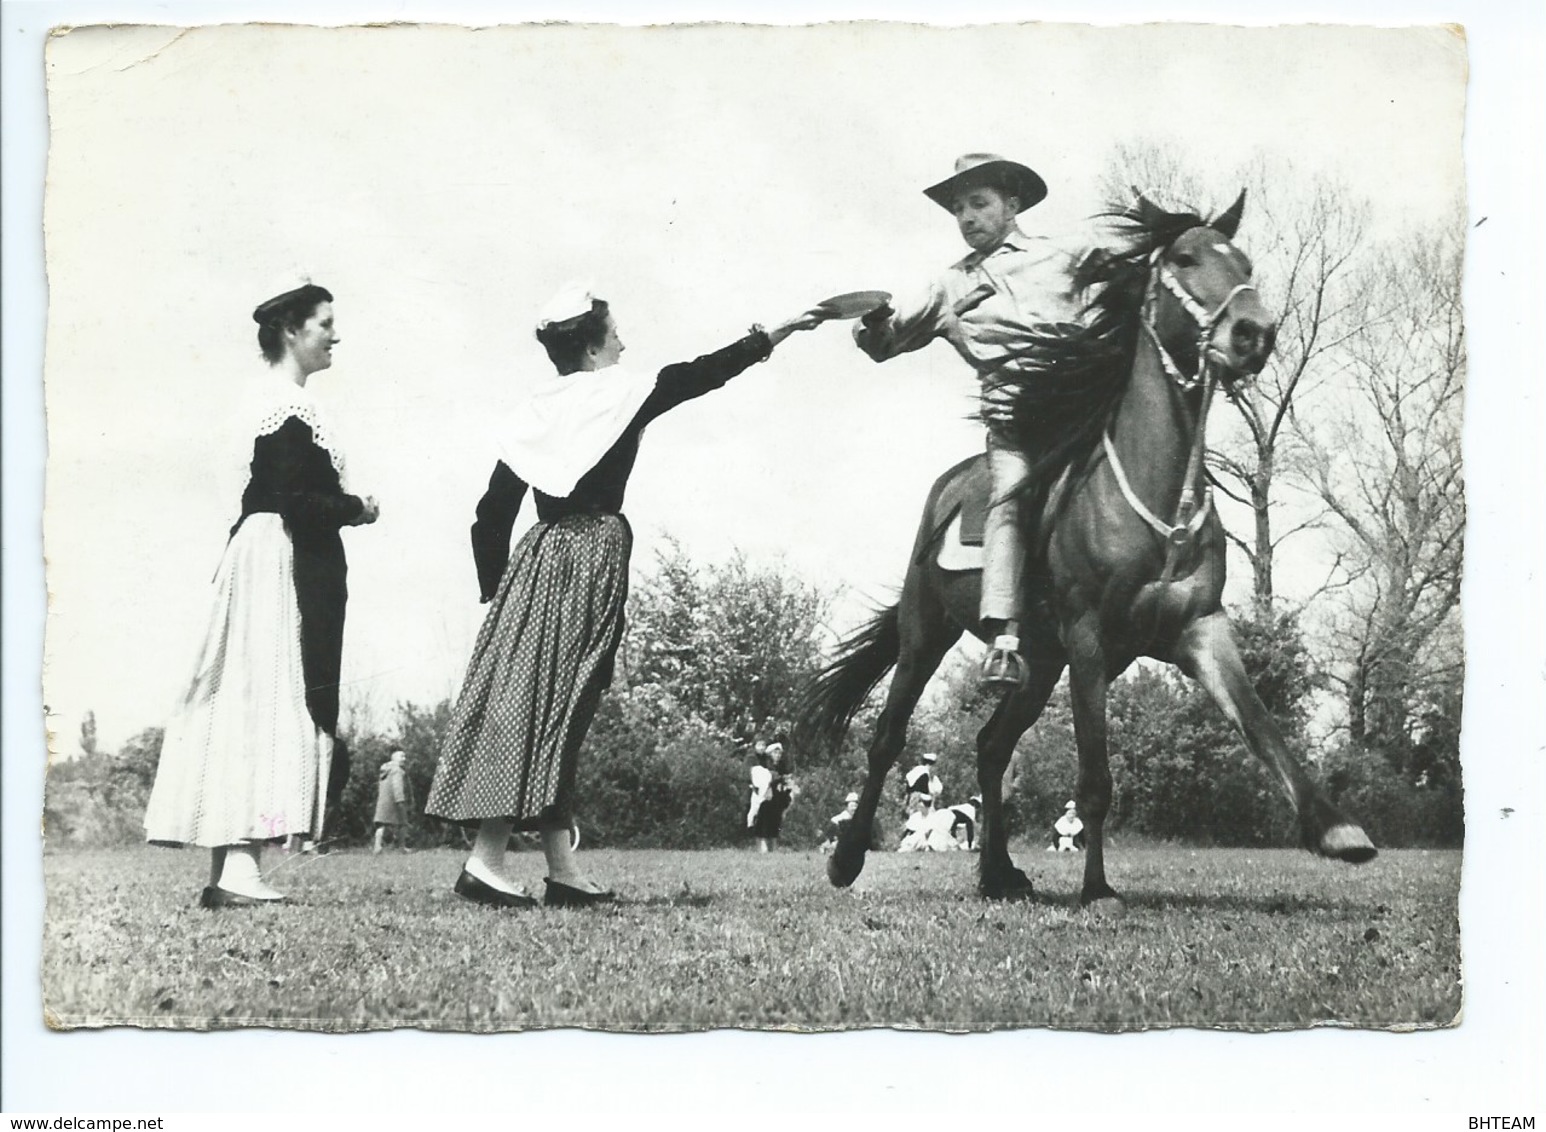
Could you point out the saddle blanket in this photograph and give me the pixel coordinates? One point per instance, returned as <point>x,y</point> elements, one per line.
<point>956,554</point>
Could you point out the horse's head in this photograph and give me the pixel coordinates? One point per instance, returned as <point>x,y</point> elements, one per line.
<point>1202,305</point>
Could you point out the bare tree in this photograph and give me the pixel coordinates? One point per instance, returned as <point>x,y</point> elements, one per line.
<point>1387,467</point>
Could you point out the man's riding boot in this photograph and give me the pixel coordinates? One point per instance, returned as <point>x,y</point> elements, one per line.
<point>1004,669</point>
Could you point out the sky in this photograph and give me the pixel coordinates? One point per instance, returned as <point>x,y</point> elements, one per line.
<point>443,182</point>
<point>189,339</point>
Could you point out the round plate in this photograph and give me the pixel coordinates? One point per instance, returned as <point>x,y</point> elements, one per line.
<point>853,304</point>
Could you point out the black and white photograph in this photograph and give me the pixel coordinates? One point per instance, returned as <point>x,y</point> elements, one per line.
<point>731,526</point>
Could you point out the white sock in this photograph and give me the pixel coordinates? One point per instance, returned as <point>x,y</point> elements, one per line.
<point>241,876</point>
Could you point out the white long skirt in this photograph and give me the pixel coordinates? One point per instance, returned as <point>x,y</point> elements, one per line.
<point>242,759</point>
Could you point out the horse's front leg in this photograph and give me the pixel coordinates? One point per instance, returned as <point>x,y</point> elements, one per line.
<point>1088,685</point>
<point>1207,653</point>
<point>997,876</point>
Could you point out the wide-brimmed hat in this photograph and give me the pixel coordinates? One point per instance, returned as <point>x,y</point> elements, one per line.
<point>930,757</point>
<point>975,168</point>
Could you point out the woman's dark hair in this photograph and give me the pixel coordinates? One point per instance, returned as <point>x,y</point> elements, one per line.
<point>286,312</point>
<point>566,342</point>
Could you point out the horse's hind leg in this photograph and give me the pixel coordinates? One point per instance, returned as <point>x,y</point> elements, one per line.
<point>1207,653</point>
<point>925,639</point>
<point>997,876</point>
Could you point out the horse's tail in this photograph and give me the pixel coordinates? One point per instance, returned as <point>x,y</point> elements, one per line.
<point>834,697</point>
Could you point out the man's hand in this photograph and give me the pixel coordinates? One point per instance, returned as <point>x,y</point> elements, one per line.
<point>877,316</point>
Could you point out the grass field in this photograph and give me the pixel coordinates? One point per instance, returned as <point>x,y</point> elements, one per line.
<point>1249,939</point>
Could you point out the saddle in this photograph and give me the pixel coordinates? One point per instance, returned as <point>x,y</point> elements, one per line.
<point>957,546</point>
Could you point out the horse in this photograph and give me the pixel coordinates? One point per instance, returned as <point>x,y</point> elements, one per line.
<point>1112,412</point>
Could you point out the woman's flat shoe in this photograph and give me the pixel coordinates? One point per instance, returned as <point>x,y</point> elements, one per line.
<point>214,897</point>
<point>469,887</point>
<point>560,895</point>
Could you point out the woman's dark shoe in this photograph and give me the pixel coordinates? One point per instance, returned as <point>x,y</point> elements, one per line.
<point>560,895</point>
<point>213,897</point>
<point>469,887</point>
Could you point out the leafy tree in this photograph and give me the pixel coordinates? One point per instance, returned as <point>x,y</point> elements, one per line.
<point>730,643</point>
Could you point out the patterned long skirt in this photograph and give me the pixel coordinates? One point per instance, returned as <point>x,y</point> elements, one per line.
<point>242,758</point>
<point>542,659</point>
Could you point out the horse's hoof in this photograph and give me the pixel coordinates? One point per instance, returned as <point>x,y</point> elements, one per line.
<point>842,870</point>
<point>1011,894</point>
<point>1010,885</point>
<point>1346,842</point>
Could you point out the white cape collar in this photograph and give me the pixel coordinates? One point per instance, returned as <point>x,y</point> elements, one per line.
<point>562,426</point>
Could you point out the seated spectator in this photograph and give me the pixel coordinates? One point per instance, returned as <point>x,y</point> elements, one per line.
<point>963,824</point>
<point>929,830</point>
<point>837,822</point>
<point>1067,831</point>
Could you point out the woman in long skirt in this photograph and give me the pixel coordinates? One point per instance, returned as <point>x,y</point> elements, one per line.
<point>545,651</point>
<point>251,750</point>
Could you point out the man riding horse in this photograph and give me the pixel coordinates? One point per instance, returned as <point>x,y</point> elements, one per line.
<point>1111,411</point>
<point>993,306</point>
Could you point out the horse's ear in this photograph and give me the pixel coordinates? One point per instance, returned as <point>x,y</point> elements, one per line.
<point>1144,210</point>
<point>1229,222</point>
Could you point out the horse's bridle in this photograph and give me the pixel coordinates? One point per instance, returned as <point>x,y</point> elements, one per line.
<point>1189,518</point>
<point>1206,321</point>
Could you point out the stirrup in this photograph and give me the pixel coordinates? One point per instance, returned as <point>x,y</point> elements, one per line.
<point>1004,669</point>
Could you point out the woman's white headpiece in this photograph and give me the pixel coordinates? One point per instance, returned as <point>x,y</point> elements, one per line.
<point>572,301</point>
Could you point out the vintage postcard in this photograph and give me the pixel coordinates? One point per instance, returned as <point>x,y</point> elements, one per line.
<point>514,493</point>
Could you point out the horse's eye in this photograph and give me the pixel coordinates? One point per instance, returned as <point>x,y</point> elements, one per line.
<point>1182,259</point>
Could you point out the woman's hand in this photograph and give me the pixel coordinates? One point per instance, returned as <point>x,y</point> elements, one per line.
<point>370,513</point>
<point>807,321</point>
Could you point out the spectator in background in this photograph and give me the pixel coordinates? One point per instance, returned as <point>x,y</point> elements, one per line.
<point>1068,831</point>
<point>838,822</point>
<point>773,789</point>
<point>394,801</point>
<point>923,785</point>
<point>963,821</point>
<point>939,830</point>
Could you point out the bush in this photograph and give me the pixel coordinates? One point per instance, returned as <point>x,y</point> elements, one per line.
<point>1394,812</point>
<point>99,798</point>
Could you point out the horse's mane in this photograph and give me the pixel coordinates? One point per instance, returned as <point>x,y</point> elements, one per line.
<point>1071,376</point>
